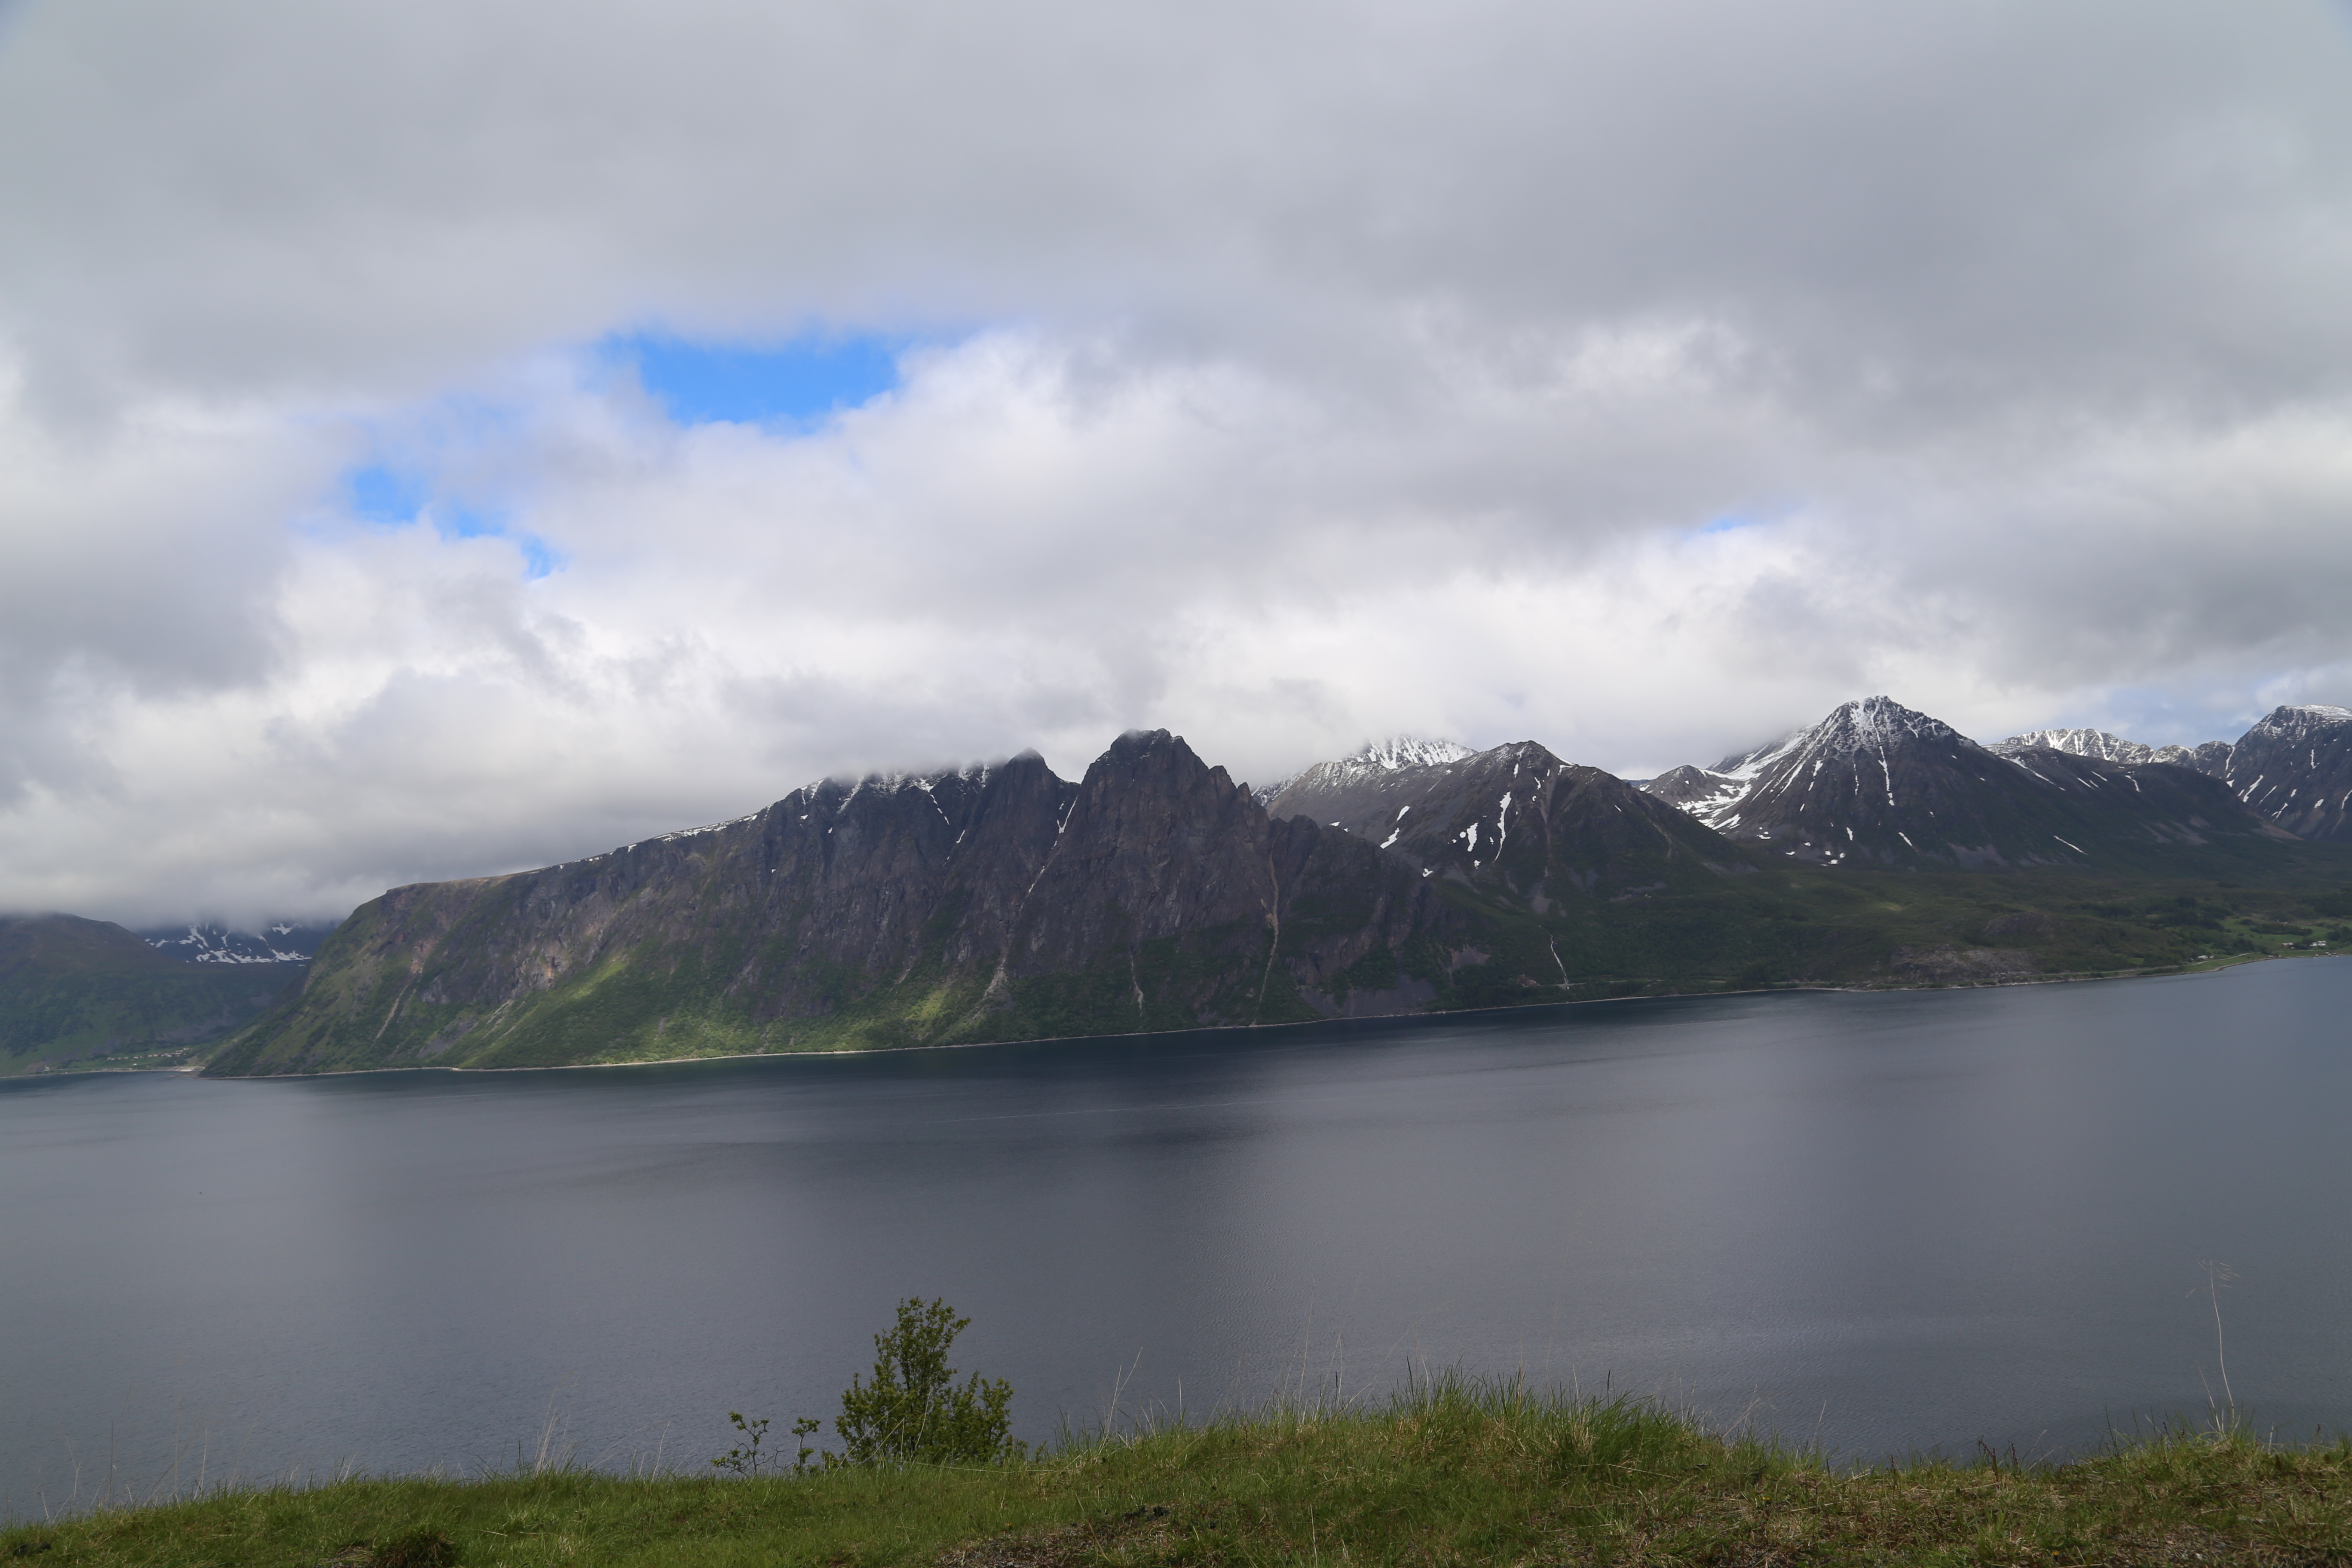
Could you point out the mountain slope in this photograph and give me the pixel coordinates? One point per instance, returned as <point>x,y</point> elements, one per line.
<point>2294,767</point>
<point>993,903</point>
<point>1516,821</point>
<point>2212,758</point>
<point>75,991</point>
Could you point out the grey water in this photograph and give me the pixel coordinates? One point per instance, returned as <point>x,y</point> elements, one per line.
<point>1882,1224</point>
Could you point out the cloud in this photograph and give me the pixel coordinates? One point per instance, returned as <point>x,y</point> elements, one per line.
<point>405,475</point>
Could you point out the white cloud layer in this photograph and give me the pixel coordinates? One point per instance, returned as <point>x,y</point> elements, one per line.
<point>1639,380</point>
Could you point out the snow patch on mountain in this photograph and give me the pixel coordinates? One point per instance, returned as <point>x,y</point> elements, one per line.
<point>1866,728</point>
<point>202,942</point>
<point>2097,744</point>
<point>1873,724</point>
<point>1370,761</point>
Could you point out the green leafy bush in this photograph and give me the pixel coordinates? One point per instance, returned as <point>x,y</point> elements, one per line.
<point>911,1411</point>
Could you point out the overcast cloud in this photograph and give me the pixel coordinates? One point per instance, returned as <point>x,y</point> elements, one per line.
<point>1642,380</point>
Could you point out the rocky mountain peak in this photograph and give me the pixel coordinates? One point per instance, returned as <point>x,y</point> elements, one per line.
<point>1874,724</point>
<point>2297,720</point>
<point>1373,760</point>
<point>2097,744</point>
<point>1877,781</point>
<point>2294,767</point>
<point>1406,751</point>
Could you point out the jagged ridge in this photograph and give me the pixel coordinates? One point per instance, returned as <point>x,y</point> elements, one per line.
<point>992,903</point>
<point>1877,782</point>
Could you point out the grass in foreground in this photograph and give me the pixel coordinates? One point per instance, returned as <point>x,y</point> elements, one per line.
<point>1459,1473</point>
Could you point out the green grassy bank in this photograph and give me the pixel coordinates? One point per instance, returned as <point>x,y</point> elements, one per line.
<point>1458,1474</point>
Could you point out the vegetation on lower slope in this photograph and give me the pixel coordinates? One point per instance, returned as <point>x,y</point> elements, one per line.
<point>1455,1474</point>
<point>1846,927</point>
<point>1798,926</point>
<point>81,994</point>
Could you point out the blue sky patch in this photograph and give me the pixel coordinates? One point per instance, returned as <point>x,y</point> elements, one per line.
<point>800,382</point>
<point>380,494</point>
<point>390,497</point>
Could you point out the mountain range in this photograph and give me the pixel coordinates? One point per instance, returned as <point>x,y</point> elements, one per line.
<point>81,993</point>
<point>1878,846</point>
<point>208,942</point>
<point>2292,768</point>
<point>1876,782</point>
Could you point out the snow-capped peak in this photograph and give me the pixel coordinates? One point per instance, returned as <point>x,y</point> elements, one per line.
<point>2095,743</point>
<point>1408,751</point>
<point>204,942</point>
<point>1873,724</point>
<point>1870,726</point>
<point>1372,759</point>
<point>2297,722</point>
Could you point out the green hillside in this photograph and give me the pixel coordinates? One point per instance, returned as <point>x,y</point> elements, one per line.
<point>77,994</point>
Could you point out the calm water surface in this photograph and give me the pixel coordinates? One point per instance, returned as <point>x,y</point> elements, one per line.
<point>1884,1223</point>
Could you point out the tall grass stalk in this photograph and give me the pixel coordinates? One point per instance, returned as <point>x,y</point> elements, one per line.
<point>2218,1277</point>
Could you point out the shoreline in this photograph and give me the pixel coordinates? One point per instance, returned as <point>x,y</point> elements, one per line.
<point>2215,966</point>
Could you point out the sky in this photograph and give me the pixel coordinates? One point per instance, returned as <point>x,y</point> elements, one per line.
<point>438,439</point>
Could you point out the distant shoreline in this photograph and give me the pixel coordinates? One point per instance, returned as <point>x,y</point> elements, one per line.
<point>2215,966</point>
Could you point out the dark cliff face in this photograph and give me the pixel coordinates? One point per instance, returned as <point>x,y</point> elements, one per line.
<point>987,903</point>
<point>2294,767</point>
<point>1157,845</point>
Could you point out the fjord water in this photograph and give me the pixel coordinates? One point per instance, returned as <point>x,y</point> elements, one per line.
<point>1883,1222</point>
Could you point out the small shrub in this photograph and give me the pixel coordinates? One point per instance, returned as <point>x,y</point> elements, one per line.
<point>743,1459</point>
<point>912,1411</point>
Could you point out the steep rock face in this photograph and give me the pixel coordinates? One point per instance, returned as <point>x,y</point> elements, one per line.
<point>1877,782</point>
<point>1519,822</point>
<point>2095,743</point>
<point>985,903</point>
<point>2294,767</point>
<point>1155,846</point>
